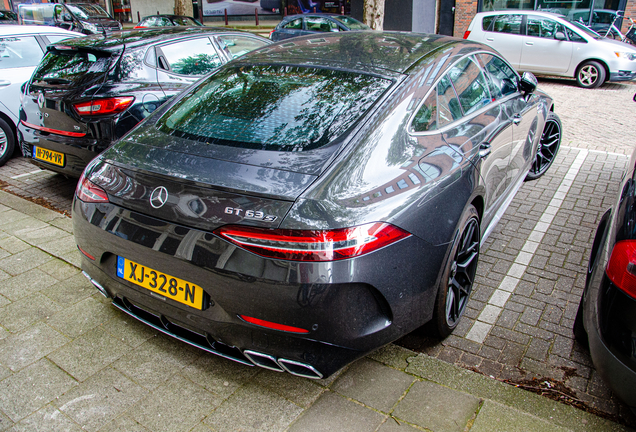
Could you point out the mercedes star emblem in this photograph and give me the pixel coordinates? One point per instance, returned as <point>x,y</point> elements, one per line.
<point>158,197</point>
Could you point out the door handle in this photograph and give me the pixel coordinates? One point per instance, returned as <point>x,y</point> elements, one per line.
<point>484,150</point>
<point>516,119</point>
<point>490,39</point>
<point>4,83</point>
<point>529,43</point>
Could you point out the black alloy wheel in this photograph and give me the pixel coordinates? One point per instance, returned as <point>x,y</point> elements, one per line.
<point>459,275</point>
<point>7,142</point>
<point>548,147</point>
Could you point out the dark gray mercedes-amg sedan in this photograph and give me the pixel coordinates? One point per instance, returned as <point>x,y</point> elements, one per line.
<point>316,199</point>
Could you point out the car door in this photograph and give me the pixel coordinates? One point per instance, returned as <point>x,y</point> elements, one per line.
<point>19,55</point>
<point>289,30</point>
<point>181,63</point>
<point>518,114</point>
<point>503,33</point>
<point>541,52</point>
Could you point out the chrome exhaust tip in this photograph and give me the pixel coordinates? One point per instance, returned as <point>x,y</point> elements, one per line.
<point>263,360</point>
<point>300,369</point>
<point>97,285</point>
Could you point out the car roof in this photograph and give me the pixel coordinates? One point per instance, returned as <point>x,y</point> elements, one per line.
<point>365,51</point>
<point>522,12</point>
<point>117,40</point>
<point>14,29</point>
<point>168,16</point>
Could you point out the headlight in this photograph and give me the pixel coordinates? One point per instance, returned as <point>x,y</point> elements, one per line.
<point>625,55</point>
<point>90,27</point>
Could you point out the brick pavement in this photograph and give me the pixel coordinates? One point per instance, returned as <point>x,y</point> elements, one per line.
<point>530,337</point>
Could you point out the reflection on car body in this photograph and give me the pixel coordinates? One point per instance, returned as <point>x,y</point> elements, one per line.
<point>383,169</point>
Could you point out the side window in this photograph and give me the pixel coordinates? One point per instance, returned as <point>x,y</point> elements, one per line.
<point>320,24</point>
<point>508,24</point>
<point>426,117</point>
<point>236,46</point>
<point>448,109</point>
<point>470,85</point>
<point>55,38</point>
<point>487,22</point>
<point>296,24</point>
<point>190,57</point>
<point>502,80</point>
<point>19,51</point>
<point>543,27</point>
<point>164,22</point>
<point>574,36</point>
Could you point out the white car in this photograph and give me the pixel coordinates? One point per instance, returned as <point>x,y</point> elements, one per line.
<point>546,43</point>
<point>21,49</point>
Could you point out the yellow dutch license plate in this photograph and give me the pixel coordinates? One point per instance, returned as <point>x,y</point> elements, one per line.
<point>50,156</point>
<point>161,283</point>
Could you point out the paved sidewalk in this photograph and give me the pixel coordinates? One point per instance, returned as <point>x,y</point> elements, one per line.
<point>69,361</point>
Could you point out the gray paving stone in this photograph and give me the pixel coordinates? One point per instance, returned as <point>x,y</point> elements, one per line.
<point>60,247</point>
<point>301,391</point>
<point>9,217</point>
<point>32,388</point>
<point>333,413</point>
<point>89,353</point>
<point>177,405</point>
<point>5,422</point>
<point>254,409</point>
<point>101,398</point>
<point>64,223</point>
<point>219,375</point>
<point>494,417</point>
<point>156,360</point>
<point>124,423</point>
<point>436,407</point>
<point>13,244</point>
<point>373,384</point>
<point>394,425</point>
<point>26,311</point>
<point>59,269</point>
<point>129,330</point>
<point>69,291</point>
<point>48,418</point>
<point>81,317</point>
<point>28,346</point>
<point>24,261</point>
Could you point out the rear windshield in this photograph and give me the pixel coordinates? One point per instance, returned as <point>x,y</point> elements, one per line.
<point>66,67</point>
<point>278,108</point>
<point>86,11</point>
<point>353,24</point>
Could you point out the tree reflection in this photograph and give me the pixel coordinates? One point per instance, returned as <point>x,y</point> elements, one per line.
<point>196,65</point>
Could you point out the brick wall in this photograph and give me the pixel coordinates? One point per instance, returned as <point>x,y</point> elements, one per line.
<point>465,10</point>
<point>630,11</point>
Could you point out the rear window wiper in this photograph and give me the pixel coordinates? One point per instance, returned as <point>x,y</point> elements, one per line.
<point>56,81</point>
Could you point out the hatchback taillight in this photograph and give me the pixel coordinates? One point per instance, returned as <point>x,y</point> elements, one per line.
<point>313,245</point>
<point>621,268</point>
<point>466,34</point>
<point>104,106</point>
<point>89,192</point>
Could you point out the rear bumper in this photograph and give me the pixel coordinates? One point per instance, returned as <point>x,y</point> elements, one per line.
<point>349,308</point>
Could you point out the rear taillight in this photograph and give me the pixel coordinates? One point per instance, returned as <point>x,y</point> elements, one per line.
<point>104,106</point>
<point>621,268</point>
<point>466,34</point>
<point>139,26</point>
<point>273,325</point>
<point>88,192</point>
<point>270,33</point>
<point>313,245</point>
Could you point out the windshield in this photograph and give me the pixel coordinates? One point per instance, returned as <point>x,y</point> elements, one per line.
<point>588,31</point>
<point>353,24</point>
<point>87,11</point>
<point>278,108</point>
<point>8,16</point>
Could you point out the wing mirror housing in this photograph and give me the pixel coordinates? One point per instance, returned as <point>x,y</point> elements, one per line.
<point>560,36</point>
<point>528,83</point>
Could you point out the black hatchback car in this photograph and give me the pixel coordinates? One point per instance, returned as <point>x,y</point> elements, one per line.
<point>315,199</point>
<point>305,24</point>
<point>606,318</point>
<point>87,93</point>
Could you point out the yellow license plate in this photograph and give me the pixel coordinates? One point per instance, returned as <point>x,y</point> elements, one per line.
<point>161,283</point>
<point>50,156</point>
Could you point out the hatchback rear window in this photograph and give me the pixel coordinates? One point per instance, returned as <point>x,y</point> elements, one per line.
<point>68,67</point>
<point>278,108</point>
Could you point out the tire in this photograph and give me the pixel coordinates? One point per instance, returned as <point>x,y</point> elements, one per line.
<point>548,147</point>
<point>7,141</point>
<point>459,274</point>
<point>590,74</point>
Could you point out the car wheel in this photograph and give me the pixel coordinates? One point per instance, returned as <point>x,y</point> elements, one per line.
<point>548,147</point>
<point>7,142</point>
<point>590,74</point>
<point>459,274</point>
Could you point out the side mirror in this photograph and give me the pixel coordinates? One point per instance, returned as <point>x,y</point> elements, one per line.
<point>560,36</point>
<point>528,83</point>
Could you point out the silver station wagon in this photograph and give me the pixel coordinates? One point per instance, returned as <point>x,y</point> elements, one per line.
<point>546,43</point>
